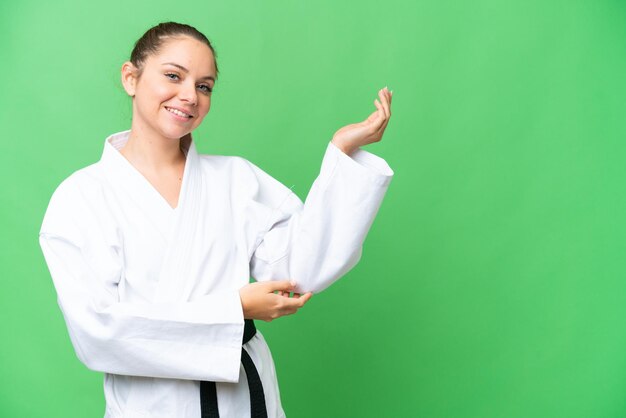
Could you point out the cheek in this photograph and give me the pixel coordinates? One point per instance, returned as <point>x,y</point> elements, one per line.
<point>205,106</point>
<point>159,91</point>
<point>163,92</point>
<point>153,98</point>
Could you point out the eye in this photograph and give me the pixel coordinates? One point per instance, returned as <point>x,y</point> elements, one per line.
<point>206,89</point>
<point>172,76</point>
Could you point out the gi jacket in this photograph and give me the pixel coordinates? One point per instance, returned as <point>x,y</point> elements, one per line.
<point>150,293</point>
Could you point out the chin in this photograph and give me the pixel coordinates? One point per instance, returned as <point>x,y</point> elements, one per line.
<point>175,133</point>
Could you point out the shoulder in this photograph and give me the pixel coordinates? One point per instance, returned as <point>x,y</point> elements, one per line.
<point>80,184</point>
<point>225,162</point>
<point>75,199</point>
<point>246,180</point>
<point>231,168</point>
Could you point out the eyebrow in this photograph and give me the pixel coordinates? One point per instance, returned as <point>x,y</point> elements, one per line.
<point>206,77</point>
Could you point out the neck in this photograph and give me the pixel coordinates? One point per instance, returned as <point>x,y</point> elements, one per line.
<point>152,151</point>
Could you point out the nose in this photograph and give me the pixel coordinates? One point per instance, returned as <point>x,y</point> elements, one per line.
<point>188,93</point>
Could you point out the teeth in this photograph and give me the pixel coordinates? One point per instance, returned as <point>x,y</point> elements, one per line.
<point>178,112</point>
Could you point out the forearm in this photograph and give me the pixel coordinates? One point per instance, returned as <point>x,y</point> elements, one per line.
<point>200,339</point>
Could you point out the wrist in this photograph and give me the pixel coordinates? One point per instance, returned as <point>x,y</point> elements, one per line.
<point>243,304</point>
<point>342,147</point>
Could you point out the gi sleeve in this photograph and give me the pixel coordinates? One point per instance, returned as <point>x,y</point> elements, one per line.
<point>198,340</point>
<point>316,243</point>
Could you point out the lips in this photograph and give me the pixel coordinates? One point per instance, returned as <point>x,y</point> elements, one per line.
<point>178,112</point>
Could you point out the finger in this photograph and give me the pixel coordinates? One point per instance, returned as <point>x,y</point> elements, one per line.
<point>387,103</point>
<point>386,121</point>
<point>384,101</point>
<point>372,117</point>
<point>306,297</point>
<point>388,94</point>
<point>378,106</point>
<point>279,285</point>
<point>297,303</point>
<point>381,130</point>
<point>291,306</point>
<point>378,117</point>
<point>289,311</point>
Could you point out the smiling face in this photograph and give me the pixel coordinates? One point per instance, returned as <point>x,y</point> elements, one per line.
<point>172,91</point>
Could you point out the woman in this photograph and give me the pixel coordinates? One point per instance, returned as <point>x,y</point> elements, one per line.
<point>151,249</point>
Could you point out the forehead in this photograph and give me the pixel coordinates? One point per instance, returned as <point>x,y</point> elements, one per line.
<point>187,52</point>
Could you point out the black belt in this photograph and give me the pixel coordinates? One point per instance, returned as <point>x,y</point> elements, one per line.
<point>208,394</point>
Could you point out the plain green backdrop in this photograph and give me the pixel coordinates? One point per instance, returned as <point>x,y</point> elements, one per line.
<point>493,282</point>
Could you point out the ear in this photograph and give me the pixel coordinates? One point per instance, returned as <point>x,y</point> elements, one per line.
<point>129,77</point>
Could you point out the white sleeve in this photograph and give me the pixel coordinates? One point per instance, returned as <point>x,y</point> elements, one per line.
<point>198,340</point>
<point>316,243</point>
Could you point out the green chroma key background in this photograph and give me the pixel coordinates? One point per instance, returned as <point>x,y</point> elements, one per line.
<point>493,282</point>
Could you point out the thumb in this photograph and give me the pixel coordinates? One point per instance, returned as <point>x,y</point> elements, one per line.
<point>376,118</point>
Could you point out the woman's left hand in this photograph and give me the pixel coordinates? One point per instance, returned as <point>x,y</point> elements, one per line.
<point>353,136</point>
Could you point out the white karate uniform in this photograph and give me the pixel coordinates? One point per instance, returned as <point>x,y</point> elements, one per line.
<point>150,293</point>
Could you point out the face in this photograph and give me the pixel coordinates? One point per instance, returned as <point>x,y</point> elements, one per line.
<point>172,94</point>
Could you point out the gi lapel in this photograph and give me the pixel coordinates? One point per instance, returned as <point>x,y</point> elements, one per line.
<point>131,186</point>
<point>175,282</point>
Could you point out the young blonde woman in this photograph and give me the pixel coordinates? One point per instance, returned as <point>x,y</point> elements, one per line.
<point>152,248</point>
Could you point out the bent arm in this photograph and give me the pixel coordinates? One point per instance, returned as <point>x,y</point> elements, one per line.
<point>316,243</point>
<point>196,340</point>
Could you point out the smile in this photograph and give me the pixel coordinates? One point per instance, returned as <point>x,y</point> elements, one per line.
<point>179,112</point>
